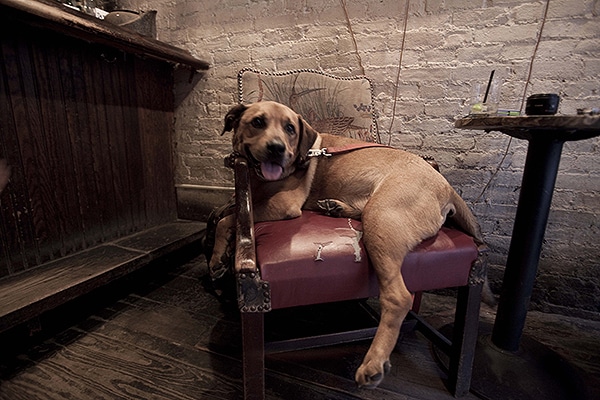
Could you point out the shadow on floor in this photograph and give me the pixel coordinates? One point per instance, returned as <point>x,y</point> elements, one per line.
<point>159,334</point>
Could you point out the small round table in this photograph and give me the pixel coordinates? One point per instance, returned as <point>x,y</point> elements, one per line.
<point>512,356</point>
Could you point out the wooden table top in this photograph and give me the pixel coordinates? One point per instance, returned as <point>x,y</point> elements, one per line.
<point>556,127</point>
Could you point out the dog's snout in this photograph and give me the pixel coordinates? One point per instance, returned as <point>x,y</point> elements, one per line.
<point>276,148</point>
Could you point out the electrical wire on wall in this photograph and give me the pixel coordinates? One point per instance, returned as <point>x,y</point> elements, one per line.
<point>349,24</point>
<point>523,99</point>
<point>397,83</point>
<point>398,73</point>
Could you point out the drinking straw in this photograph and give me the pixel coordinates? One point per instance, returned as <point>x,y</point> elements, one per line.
<point>487,90</point>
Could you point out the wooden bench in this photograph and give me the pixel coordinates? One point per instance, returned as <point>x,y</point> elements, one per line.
<point>87,111</point>
<point>28,294</point>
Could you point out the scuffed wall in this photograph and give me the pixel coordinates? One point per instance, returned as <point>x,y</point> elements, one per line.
<point>429,54</point>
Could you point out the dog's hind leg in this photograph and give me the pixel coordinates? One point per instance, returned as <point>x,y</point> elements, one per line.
<point>395,301</point>
<point>388,236</point>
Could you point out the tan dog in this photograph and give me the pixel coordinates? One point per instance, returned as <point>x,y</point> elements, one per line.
<point>400,198</point>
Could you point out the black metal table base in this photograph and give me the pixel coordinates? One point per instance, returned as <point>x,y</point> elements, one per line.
<point>533,372</point>
<point>508,365</point>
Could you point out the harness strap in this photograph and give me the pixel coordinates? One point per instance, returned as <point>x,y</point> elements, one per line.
<point>330,151</point>
<point>324,152</point>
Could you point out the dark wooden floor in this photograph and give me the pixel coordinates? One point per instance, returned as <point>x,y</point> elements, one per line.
<point>160,335</point>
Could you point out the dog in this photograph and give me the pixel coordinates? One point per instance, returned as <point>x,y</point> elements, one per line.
<point>400,198</point>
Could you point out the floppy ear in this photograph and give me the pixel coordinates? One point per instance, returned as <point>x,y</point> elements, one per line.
<point>232,119</point>
<point>307,138</point>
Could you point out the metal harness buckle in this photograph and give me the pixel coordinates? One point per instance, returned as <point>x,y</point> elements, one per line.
<point>319,152</point>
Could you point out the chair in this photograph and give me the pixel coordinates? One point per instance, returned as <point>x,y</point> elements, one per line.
<point>317,259</point>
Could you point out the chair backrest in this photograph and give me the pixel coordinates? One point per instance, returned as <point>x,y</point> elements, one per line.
<point>331,104</point>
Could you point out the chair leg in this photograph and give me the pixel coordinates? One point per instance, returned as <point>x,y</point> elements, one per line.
<point>464,340</point>
<point>253,359</point>
<point>418,297</point>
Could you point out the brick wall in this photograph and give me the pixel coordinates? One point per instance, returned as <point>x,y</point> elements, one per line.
<point>448,45</point>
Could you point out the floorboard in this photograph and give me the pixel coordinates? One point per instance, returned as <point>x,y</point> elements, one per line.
<point>158,334</point>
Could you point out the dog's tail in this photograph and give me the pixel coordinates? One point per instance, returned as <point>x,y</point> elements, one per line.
<point>464,218</point>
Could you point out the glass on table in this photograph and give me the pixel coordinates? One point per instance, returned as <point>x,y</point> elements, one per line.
<point>482,104</point>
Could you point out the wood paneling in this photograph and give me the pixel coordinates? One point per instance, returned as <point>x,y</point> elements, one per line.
<point>87,130</point>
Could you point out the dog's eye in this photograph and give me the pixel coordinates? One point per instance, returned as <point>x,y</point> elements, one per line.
<point>289,128</point>
<point>258,123</point>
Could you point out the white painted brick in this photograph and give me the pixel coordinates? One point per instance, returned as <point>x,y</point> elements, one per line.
<point>449,46</point>
<point>527,13</point>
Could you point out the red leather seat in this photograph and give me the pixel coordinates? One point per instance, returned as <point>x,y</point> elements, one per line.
<point>318,259</point>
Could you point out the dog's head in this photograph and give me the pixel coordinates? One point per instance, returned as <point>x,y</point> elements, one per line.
<point>273,138</point>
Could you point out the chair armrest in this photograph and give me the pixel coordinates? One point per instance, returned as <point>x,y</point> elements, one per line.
<point>245,254</point>
<point>253,293</point>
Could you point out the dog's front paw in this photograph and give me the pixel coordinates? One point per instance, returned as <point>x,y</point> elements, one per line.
<point>333,208</point>
<point>371,373</point>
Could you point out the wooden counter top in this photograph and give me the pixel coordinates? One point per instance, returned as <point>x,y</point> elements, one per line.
<point>51,15</point>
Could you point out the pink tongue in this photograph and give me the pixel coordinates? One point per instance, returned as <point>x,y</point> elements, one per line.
<point>271,171</point>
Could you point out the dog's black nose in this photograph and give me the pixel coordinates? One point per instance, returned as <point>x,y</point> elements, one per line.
<point>276,148</point>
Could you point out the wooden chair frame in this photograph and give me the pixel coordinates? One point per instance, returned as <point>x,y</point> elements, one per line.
<point>254,301</point>
<point>254,293</point>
